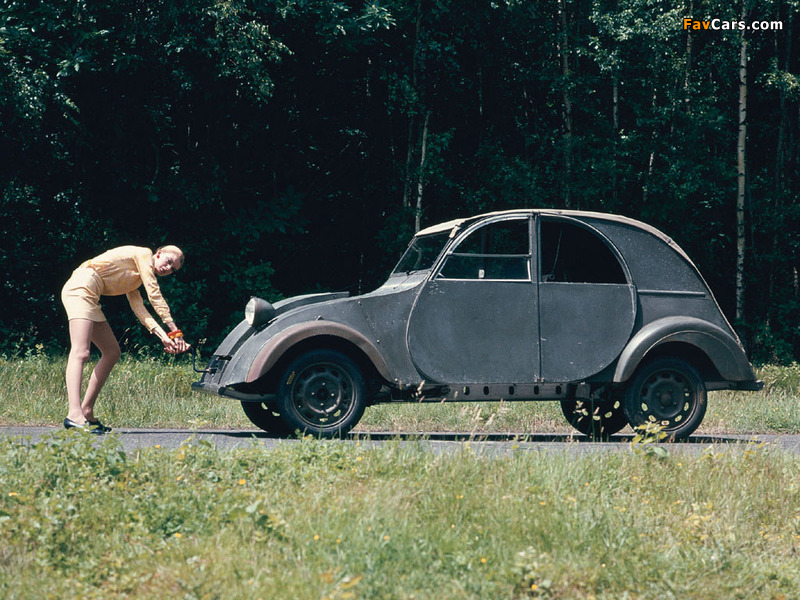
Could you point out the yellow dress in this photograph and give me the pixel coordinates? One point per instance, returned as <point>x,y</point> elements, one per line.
<point>119,271</point>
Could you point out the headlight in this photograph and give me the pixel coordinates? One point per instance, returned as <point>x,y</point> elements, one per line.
<point>258,311</point>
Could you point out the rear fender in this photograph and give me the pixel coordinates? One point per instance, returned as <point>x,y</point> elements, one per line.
<point>722,348</point>
<point>277,346</point>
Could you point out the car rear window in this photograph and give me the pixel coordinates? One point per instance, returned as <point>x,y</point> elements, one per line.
<point>574,254</point>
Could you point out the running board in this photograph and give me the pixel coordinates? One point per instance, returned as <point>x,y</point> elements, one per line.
<point>504,391</point>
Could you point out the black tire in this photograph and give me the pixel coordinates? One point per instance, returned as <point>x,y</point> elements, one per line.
<point>668,392</point>
<point>266,417</point>
<point>597,419</point>
<point>322,393</point>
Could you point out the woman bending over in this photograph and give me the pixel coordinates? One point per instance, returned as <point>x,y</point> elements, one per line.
<point>119,271</point>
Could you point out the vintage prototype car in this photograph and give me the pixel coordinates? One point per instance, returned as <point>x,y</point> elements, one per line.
<point>600,312</point>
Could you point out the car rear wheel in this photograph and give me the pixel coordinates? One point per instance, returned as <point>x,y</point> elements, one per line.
<point>322,393</point>
<point>266,417</point>
<point>598,419</point>
<point>667,392</point>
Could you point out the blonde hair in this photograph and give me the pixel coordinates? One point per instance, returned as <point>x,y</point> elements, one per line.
<point>173,250</point>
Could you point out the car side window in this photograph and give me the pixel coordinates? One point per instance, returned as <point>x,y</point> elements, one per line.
<point>574,254</point>
<point>498,251</point>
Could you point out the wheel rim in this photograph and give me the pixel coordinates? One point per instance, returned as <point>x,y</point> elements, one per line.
<point>667,398</point>
<point>323,394</point>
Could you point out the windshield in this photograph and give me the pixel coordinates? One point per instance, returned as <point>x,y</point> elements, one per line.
<point>422,253</point>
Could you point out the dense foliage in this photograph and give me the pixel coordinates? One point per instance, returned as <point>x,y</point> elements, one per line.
<point>290,146</point>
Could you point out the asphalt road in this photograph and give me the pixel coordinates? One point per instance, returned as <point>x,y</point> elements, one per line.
<point>496,443</point>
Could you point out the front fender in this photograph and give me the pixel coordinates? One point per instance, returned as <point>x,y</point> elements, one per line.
<point>276,346</point>
<point>722,348</point>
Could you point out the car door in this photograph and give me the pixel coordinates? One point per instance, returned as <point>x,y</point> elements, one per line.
<point>587,304</point>
<point>476,318</point>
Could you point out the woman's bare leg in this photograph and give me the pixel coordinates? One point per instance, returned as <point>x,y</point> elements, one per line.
<point>102,337</point>
<point>80,336</point>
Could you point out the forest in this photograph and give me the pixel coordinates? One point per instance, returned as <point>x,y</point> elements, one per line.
<point>293,146</point>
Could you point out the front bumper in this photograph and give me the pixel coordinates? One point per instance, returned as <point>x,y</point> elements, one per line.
<point>228,392</point>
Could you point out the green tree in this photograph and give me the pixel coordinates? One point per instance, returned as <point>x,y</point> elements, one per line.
<point>295,146</point>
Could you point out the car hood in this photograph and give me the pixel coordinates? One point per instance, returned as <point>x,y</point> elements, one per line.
<point>284,306</point>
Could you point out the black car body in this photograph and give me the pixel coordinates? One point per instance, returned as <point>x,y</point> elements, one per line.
<point>603,313</point>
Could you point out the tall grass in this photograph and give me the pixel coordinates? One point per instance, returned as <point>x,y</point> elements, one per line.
<point>81,518</point>
<point>333,520</point>
<point>153,392</point>
<point>142,391</point>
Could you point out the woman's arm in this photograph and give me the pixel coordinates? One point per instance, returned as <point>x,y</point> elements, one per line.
<point>144,264</point>
<point>173,343</point>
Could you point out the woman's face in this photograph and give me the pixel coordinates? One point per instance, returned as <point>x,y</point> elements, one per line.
<point>164,263</point>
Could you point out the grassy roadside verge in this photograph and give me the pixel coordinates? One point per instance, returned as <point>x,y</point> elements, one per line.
<point>80,518</point>
<point>152,392</point>
<point>336,521</point>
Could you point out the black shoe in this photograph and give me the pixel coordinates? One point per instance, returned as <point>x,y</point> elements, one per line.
<point>98,425</point>
<point>70,424</point>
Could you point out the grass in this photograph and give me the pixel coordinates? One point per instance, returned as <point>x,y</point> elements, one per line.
<point>151,392</point>
<point>141,392</point>
<point>81,518</point>
<point>332,520</point>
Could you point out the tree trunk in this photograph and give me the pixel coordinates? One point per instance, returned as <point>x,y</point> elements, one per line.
<point>421,174</point>
<point>615,124</point>
<point>651,161</point>
<point>480,91</point>
<point>409,158</point>
<point>687,95</point>
<point>412,118</point>
<point>563,51</point>
<point>782,157</point>
<point>740,196</point>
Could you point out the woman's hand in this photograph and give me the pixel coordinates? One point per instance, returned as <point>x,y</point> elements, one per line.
<point>170,346</point>
<point>180,345</point>
<point>173,341</point>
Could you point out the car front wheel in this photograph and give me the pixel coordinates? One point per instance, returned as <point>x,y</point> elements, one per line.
<point>322,393</point>
<point>667,392</point>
